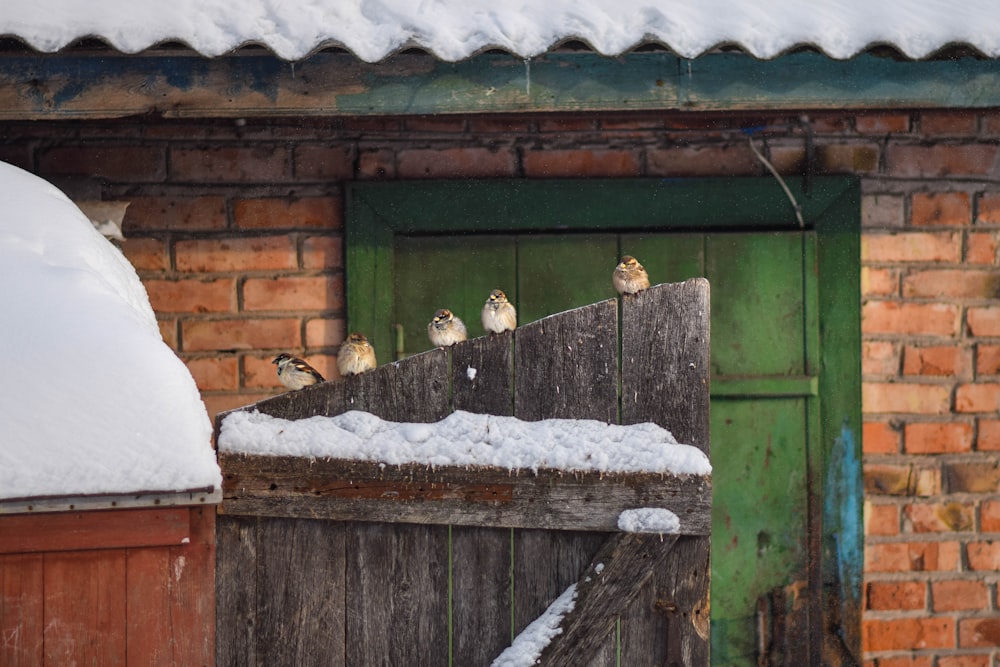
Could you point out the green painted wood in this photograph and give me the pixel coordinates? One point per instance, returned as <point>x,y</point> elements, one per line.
<point>732,387</point>
<point>103,84</point>
<point>370,258</point>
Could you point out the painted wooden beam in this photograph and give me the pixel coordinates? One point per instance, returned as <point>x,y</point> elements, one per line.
<point>110,85</point>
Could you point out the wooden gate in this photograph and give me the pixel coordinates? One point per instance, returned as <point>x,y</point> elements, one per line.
<point>340,562</point>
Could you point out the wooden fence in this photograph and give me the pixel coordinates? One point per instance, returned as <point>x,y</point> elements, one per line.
<point>338,562</point>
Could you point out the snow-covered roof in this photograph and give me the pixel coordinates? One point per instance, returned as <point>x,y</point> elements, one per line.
<point>92,401</point>
<point>453,30</point>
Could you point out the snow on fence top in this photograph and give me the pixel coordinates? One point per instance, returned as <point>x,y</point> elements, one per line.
<point>92,400</point>
<point>466,439</point>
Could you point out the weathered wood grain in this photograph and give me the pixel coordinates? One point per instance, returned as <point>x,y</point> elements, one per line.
<point>489,497</point>
<point>300,592</point>
<point>24,533</point>
<point>490,390</point>
<point>22,614</point>
<point>616,574</point>
<point>397,595</point>
<point>566,365</point>
<point>236,592</point>
<point>665,380</point>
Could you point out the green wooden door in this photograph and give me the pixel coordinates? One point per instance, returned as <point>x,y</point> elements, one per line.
<point>773,295</point>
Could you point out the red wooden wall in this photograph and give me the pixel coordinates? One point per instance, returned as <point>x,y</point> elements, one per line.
<point>117,587</point>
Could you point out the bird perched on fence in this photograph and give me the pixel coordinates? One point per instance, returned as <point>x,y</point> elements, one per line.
<point>356,355</point>
<point>295,373</point>
<point>629,277</point>
<point>499,314</point>
<point>445,329</point>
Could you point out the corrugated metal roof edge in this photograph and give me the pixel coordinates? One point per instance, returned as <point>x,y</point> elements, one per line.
<point>94,45</point>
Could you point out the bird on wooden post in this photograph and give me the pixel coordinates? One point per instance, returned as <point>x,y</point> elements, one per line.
<point>499,314</point>
<point>629,276</point>
<point>445,329</point>
<point>356,355</point>
<point>295,373</point>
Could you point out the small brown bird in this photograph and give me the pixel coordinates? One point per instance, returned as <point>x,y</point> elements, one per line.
<point>499,314</point>
<point>445,329</point>
<point>356,355</point>
<point>629,276</point>
<point>295,373</point>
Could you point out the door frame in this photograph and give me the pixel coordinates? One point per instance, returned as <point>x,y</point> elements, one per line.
<point>830,205</point>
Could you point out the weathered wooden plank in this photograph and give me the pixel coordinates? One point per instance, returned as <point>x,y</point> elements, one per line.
<point>85,608</point>
<point>397,595</point>
<point>488,497</point>
<point>481,375</point>
<point>23,533</point>
<point>612,580</point>
<point>566,365</point>
<point>236,591</point>
<point>106,84</point>
<point>669,620</point>
<point>22,617</point>
<point>192,592</point>
<point>300,592</point>
<point>149,622</point>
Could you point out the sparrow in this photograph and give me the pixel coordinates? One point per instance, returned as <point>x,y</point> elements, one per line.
<point>356,355</point>
<point>498,313</point>
<point>629,276</point>
<point>295,373</point>
<point>445,329</point>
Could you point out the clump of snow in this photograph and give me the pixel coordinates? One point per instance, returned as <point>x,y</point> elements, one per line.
<point>470,373</point>
<point>92,400</point>
<point>527,647</point>
<point>466,439</point>
<point>649,520</point>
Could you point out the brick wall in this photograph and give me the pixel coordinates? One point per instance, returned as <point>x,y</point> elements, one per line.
<point>236,229</point>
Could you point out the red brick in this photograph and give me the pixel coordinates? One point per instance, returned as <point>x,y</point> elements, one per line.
<point>988,439</point>
<point>321,332</point>
<point>311,212</point>
<point>214,373</point>
<point>983,397</point>
<point>580,163</point>
<point>964,660</point>
<point>979,633</point>
<point>882,123</point>
<point>116,163</point>
<point>988,359</point>
<point>988,209</point>
<point>945,360</point>
<point>240,334</point>
<point>456,163</point>
<point>882,211</point>
<point>912,247</point>
<point>168,331</point>
<point>259,164</point>
<point>376,164</point>
<point>192,296</point>
<point>888,479</point>
<point>879,438</point>
<point>984,321</point>
<point>437,124</point>
<point>502,125</point>
<point>989,516</point>
<point>981,248</point>
<point>940,208</point>
<point>735,160</point>
<point>294,293</point>
<point>848,158</point>
<point>939,160</point>
<point>561,124</point>
<point>902,661</point>
<point>939,518</point>
<point>895,595</point>
<point>912,557</point>
<point>879,358</point>
<point>146,254</point>
<point>879,282</point>
<point>954,283</point>
<point>324,163</point>
<point>323,252</point>
<point>948,123</point>
<point>235,254</point>
<point>980,476</point>
<point>216,403</point>
<point>893,317</point>
<point>908,634</point>
<point>881,519</point>
<point>937,438</point>
<point>905,397</point>
<point>175,214</point>
<point>983,556</point>
<point>17,155</point>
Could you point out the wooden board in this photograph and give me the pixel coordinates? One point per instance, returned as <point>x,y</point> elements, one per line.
<point>71,531</point>
<point>22,613</point>
<point>236,591</point>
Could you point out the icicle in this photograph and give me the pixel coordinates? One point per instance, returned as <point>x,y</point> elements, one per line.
<point>527,76</point>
